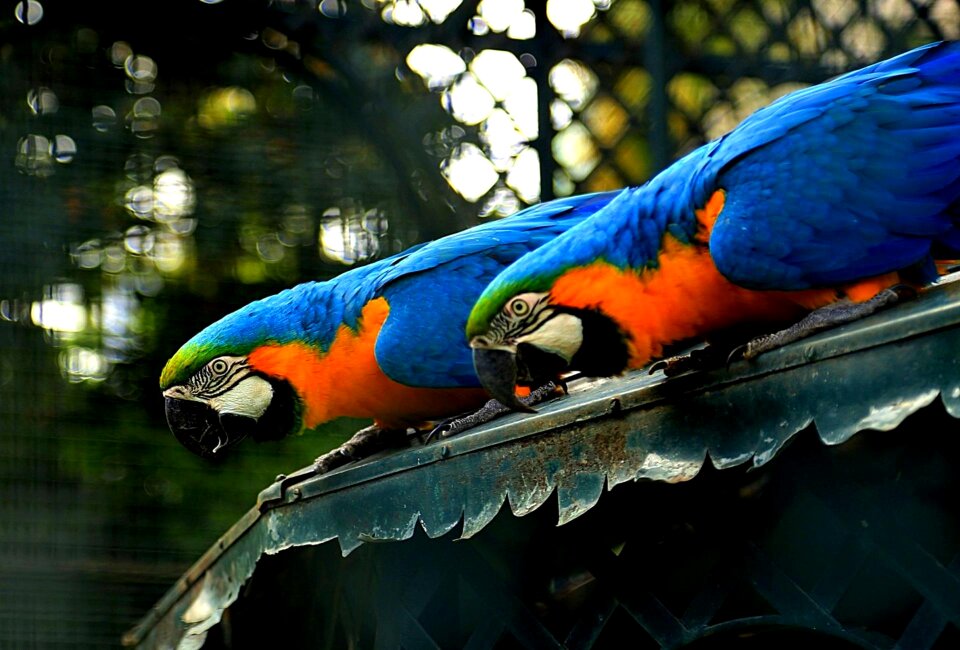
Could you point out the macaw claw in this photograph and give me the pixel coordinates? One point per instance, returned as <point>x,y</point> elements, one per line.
<point>710,357</point>
<point>826,317</point>
<point>363,443</point>
<point>715,356</point>
<point>492,410</point>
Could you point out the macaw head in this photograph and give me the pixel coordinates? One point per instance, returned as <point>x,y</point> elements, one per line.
<point>522,330</point>
<point>217,391</point>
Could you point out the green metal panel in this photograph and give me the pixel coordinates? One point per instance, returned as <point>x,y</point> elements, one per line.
<point>870,375</point>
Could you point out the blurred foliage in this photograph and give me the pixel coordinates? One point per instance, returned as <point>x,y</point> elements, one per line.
<point>162,168</point>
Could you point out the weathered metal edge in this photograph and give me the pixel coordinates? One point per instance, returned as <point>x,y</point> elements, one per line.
<point>616,431</point>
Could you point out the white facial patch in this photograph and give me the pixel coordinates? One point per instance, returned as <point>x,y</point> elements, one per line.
<point>562,335</point>
<point>250,398</point>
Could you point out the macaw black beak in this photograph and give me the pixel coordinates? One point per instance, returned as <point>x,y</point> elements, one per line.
<point>497,370</point>
<point>202,430</point>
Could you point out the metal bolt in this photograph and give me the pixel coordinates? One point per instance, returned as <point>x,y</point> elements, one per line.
<point>444,451</point>
<point>615,405</point>
<point>279,478</point>
<point>295,494</point>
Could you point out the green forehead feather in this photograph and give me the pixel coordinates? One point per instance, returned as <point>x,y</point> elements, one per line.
<point>180,366</point>
<point>496,296</point>
<point>187,361</point>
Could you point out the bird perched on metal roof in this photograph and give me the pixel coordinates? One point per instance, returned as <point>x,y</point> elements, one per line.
<point>383,341</point>
<point>820,203</point>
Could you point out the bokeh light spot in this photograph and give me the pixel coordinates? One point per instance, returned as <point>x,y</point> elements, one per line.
<point>500,14</point>
<point>569,16</point>
<point>169,252</point>
<point>182,227</point>
<point>499,71</point>
<point>468,101</point>
<point>29,13</point>
<point>437,65</point>
<point>225,106</point>
<point>573,82</point>
<point>438,10</point>
<point>139,201</point>
<point>173,195</point>
<point>560,114</point>
<point>87,254</point>
<point>63,148</point>
<point>138,240</point>
<point>33,156</point>
<point>502,139</point>
<point>42,101</point>
<point>83,364</point>
<point>332,8</point>
<point>120,51</point>
<point>502,202</point>
<point>104,118</point>
<point>144,117</point>
<point>347,236</point>
<point>469,172</point>
<point>407,13</point>
<point>269,248</point>
<point>114,259</point>
<point>575,150</point>
<point>521,105</point>
<point>61,310</point>
<point>140,68</point>
<point>524,26</point>
<point>524,175</point>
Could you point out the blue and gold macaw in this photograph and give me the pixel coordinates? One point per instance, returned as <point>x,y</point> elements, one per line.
<point>384,341</point>
<point>818,204</point>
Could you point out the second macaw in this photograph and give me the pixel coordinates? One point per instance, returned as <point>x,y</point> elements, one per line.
<point>383,341</point>
<point>821,202</point>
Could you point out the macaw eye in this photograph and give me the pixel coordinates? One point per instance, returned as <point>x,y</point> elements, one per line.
<point>519,307</point>
<point>219,366</point>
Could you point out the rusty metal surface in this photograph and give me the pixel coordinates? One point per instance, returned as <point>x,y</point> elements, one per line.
<point>870,375</point>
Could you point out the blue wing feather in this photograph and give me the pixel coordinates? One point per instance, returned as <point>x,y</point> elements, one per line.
<point>431,291</point>
<point>861,176</point>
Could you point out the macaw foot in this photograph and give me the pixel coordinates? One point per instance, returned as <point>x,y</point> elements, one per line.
<point>711,357</point>
<point>363,443</point>
<point>831,315</point>
<point>492,410</point>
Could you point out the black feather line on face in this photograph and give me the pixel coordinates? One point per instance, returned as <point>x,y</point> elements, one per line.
<point>207,384</point>
<point>604,350</point>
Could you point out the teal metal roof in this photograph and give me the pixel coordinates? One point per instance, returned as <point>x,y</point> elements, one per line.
<point>869,375</point>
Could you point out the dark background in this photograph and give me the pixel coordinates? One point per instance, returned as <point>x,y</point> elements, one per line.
<point>162,164</point>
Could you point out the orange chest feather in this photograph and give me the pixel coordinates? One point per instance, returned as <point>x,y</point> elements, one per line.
<point>685,296</point>
<point>346,381</point>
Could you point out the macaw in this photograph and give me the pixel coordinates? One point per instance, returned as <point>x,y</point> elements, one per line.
<point>382,341</point>
<point>817,208</point>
